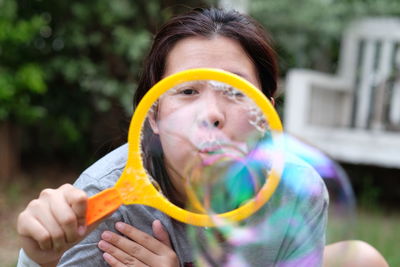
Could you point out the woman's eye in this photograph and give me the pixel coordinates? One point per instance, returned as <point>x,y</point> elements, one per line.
<point>189,91</point>
<point>239,94</point>
<point>233,93</point>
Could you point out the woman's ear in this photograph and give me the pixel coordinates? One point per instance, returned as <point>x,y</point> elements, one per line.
<point>272,101</point>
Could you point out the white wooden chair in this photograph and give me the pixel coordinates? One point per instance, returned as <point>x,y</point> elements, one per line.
<point>353,116</point>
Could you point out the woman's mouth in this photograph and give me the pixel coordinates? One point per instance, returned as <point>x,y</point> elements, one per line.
<point>211,150</point>
<point>214,153</point>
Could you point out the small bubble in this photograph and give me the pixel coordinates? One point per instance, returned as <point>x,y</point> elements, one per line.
<point>46,16</point>
<point>39,43</point>
<point>58,44</point>
<point>45,31</point>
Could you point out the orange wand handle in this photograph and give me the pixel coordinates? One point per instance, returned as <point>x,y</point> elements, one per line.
<point>102,204</point>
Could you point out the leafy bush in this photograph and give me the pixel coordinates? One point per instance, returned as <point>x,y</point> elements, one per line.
<point>21,76</point>
<point>72,67</point>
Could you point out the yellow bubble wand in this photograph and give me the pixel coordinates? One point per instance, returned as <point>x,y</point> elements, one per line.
<point>134,185</point>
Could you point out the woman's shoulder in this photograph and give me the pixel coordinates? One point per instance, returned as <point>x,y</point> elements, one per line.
<point>104,172</point>
<point>296,170</point>
<point>302,180</point>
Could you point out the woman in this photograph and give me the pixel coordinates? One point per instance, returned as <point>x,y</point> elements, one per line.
<point>52,225</point>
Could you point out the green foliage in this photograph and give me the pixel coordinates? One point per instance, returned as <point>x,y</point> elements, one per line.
<point>70,66</point>
<point>307,32</point>
<point>20,76</point>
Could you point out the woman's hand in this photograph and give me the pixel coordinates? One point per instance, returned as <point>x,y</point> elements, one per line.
<point>53,223</point>
<point>138,248</point>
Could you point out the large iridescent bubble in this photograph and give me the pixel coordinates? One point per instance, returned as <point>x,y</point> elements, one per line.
<point>287,231</point>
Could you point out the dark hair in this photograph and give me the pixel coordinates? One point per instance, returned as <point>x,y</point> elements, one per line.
<point>203,22</point>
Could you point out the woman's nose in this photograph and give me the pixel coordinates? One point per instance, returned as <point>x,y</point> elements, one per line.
<point>212,114</point>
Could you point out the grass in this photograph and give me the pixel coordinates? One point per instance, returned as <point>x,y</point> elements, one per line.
<point>382,230</point>
<point>378,227</point>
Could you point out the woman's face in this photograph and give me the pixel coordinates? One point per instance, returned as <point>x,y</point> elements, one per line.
<point>194,121</point>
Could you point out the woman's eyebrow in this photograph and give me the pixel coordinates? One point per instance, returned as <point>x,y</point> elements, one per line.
<point>244,76</point>
<point>240,74</point>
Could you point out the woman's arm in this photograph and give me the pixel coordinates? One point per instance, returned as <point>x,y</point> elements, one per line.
<point>306,213</point>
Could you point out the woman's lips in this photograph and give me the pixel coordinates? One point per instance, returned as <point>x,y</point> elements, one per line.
<point>211,150</point>
<point>210,155</point>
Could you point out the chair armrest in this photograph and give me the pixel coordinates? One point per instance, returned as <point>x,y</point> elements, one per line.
<point>316,79</point>
<point>301,85</point>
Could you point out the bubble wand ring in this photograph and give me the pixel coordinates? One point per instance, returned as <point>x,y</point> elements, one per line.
<point>134,187</point>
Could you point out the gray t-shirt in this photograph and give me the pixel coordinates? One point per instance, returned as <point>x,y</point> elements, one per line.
<point>289,229</point>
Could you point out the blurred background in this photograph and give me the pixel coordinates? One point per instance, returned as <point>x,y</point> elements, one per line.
<point>68,71</point>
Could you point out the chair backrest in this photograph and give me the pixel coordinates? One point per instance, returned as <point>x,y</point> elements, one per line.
<point>370,61</point>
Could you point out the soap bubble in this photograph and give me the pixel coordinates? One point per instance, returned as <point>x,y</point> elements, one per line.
<point>287,230</point>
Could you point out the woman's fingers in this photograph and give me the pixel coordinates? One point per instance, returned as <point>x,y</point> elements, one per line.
<point>40,211</point>
<point>116,257</point>
<point>78,202</point>
<point>160,233</point>
<point>141,238</point>
<point>126,245</point>
<point>34,229</point>
<point>67,208</point>
<point>137,246</point>
<point>57,234</point>
<point>65,218</point>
